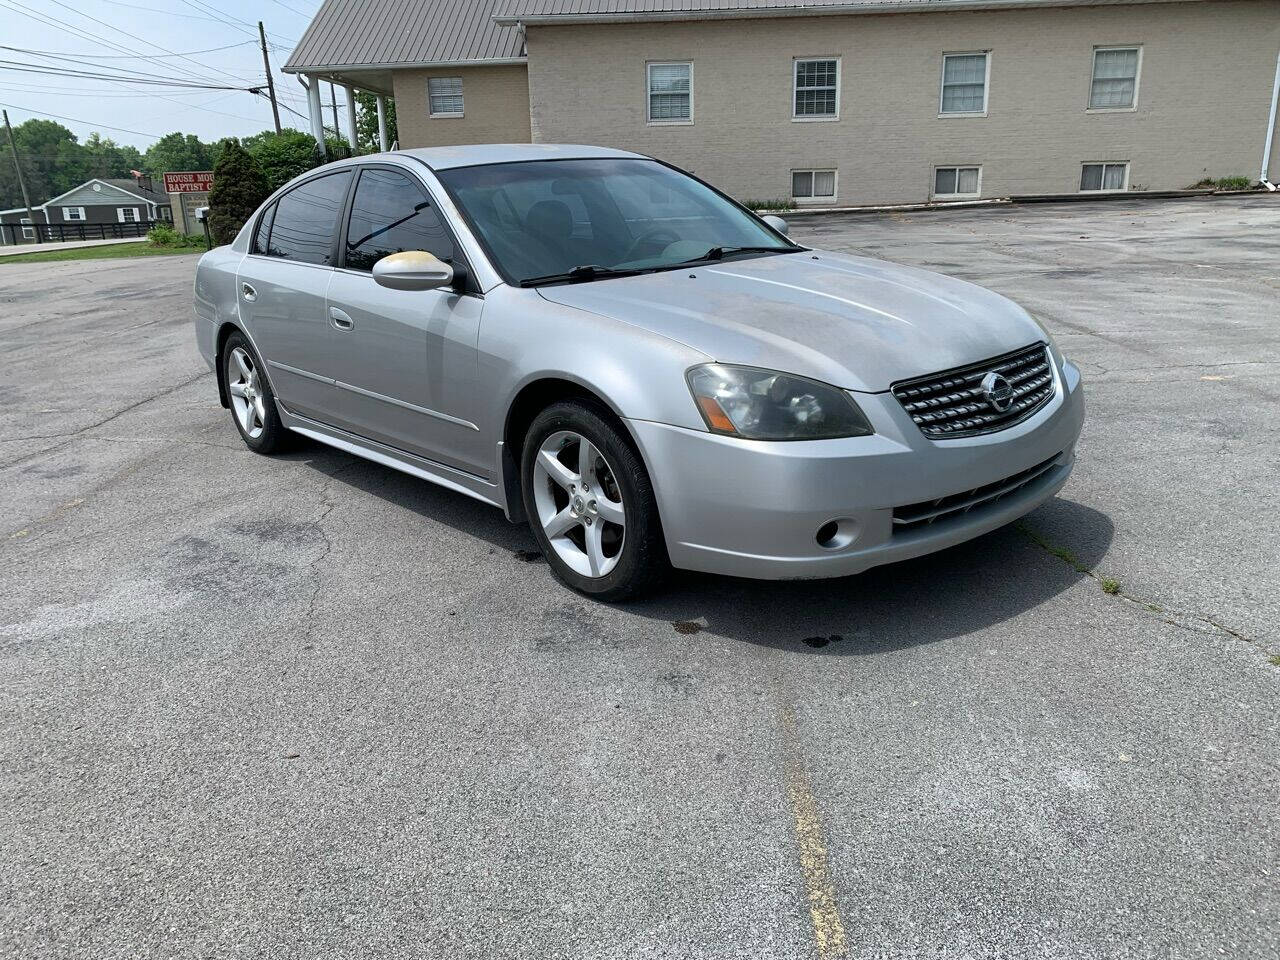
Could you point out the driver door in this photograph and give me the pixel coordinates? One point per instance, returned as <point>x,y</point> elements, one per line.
<point>408,357</point>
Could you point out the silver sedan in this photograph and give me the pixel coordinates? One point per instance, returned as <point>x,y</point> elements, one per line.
<point>648,374</point>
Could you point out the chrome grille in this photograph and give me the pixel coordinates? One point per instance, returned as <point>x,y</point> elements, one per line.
<point>916,515</point>
<point>952,404</point>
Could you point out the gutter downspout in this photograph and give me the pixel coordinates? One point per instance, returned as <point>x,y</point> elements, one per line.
<point>1264,176</point>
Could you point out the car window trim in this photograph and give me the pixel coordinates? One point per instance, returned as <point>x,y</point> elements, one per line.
<point>459,254</point>
<point>274,202</point>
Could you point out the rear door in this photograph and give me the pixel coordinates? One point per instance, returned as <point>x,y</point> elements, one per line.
<point>282,285</point>
<point>408,356</point>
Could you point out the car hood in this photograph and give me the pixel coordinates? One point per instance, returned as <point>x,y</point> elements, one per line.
<point>854,322</point>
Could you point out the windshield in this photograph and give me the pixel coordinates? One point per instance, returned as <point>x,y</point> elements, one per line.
<point>543,220</point>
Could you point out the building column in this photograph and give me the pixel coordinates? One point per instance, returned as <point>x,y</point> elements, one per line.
<point>382,123</point>
<point>351,120</point>
<point>316,117</point>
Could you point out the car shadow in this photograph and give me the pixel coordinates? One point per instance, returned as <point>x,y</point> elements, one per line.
<point>978,584</point>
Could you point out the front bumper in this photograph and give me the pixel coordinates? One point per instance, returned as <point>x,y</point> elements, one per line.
<point>750,508</point>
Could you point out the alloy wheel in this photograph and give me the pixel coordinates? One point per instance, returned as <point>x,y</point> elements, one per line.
<point>579,503</point>
<point>247,400</point>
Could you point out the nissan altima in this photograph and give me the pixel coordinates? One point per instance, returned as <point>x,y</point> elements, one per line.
<point>644,371</point>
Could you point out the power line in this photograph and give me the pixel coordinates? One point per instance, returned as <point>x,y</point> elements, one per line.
<point>280,3</point>
<point>132,36</point>
<point>121,56</point>
<point>121,72</point>
<point>234,22</point>
<point>19,67</point>
<point>55,116</point>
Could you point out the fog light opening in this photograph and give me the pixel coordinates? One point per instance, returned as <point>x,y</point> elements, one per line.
<point>836,534</point>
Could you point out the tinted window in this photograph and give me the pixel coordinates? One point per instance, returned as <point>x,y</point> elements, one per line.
<point>260,239</point>
<point>391,213</point>
<point>306,219</point>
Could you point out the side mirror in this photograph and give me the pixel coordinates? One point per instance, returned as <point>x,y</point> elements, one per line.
<point>412,270</point>
<point>777,223</point>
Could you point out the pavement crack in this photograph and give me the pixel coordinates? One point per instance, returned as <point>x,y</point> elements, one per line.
<point>1113,588</point>
<point>71,435</point>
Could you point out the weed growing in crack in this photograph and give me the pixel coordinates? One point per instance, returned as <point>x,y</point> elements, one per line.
<point>1109,586</point>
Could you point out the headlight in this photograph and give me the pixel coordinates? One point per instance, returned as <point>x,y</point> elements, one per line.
<point>767,405</point>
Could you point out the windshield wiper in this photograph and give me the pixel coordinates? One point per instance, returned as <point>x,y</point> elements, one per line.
<point>718,253</point>
<point>587,271</point>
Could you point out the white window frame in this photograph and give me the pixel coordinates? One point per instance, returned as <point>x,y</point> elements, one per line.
<point>1093,68</point>
<point>121,218</point>
<point>957,167</point>
<point>986,84</point>
<point>795,88</point>
<point>648,94</point>
<point>1104,164</point>
<point>28,228</point>
<point>73,214</point>
<point>814,171</point>
<point>451,115</point>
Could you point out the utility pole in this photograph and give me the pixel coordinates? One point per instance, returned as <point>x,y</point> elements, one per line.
<point>271,84</point>
<point>17,166</point>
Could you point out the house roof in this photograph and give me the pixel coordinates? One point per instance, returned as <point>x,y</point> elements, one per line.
<point>125,185</point>
<point>131,186</point>
<point>374,34</point>
<point>620,11</point>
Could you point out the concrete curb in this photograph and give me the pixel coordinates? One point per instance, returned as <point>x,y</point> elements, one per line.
<point>1012,201</point>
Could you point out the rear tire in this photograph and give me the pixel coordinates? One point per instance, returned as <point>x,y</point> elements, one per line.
<point>253,405</point>
<point>590,503</point>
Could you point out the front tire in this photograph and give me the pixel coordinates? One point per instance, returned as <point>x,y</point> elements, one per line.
<point>253,405</point>
<point>590,503</point>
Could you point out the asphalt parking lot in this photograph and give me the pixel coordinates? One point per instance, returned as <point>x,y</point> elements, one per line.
<point>311,707</point>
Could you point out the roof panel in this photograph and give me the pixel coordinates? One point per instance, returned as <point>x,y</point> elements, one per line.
<point>385,32</point>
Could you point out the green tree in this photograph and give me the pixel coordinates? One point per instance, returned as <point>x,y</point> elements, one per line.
<point>177,152</point>
<point>367,122</point>
<point>283,155</point>
<point>46,149</point>
<point>239,187</point>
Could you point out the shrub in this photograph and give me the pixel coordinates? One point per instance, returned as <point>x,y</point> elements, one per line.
<point>163,235</point>
<point>769,204</point>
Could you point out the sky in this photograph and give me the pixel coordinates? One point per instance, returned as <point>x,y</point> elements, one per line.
<point>219,39</point>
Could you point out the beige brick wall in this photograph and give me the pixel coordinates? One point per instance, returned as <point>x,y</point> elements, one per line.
<point>1203,97</point>
<point>495,104</point>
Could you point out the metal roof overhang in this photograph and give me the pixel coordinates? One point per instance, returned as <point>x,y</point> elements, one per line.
<point>852,8</point>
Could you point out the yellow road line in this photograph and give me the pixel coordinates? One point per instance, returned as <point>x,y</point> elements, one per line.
<point>828,928</point>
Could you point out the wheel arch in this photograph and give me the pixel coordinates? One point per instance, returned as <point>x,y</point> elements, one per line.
<point>220,368</point>
<point>531,398</point>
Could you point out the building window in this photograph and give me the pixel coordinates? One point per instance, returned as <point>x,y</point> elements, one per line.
<point>72,213</point>
<point>813,186</point>
<point>1101,177</point>
<point>964,84</point>
<point>444,96</point>
<point>816,94</point>
<point>28,233</point>
<point>670,92</point>
<point>1115,78</point>
<point>957,182</point>
<point>127,214</point>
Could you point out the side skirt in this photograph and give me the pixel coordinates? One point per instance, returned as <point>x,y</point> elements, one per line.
<point>448,477</point>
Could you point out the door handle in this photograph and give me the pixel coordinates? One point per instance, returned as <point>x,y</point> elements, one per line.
<point>248,292</point>
<point>340,319</point>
